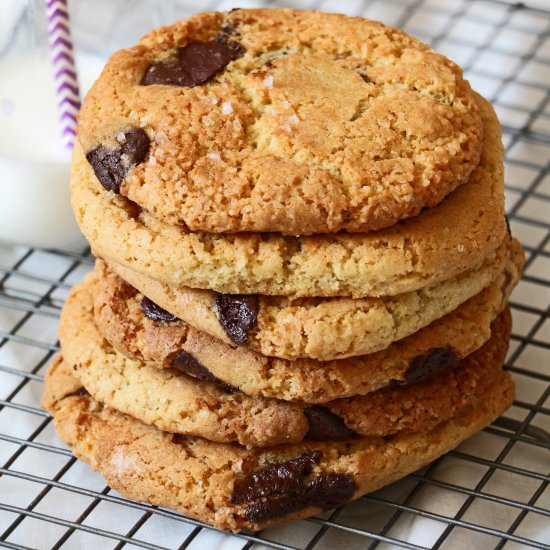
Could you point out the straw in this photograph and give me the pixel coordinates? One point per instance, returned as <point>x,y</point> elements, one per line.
<point>66,82</point>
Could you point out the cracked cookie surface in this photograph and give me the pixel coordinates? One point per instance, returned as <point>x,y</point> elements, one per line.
<point>273,120</point>
<point>440,243</point>
<point>233,488</point>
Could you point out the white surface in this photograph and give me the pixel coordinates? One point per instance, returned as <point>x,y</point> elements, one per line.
<point>34,165</point>
<point>28,113</point>
<point>515,100</point>
<point>35,207</point>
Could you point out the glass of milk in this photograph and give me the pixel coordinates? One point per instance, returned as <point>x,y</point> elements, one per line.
<point>34,164</point>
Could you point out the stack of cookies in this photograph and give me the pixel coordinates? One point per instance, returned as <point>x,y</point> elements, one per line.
<point>303,266</point>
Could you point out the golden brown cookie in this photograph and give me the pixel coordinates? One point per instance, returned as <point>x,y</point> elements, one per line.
<point>439,244</point>
<point>167,398</point>
<point>275,120</point>
<point>233,488</point>
<point>142,331</point>
<point>206,406</point>
<point>322,329</point>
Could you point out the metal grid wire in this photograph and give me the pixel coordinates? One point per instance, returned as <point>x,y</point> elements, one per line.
<point>505,50</point>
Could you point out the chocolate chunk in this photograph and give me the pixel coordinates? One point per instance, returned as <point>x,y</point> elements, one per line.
<point>325,492</point>
<point>186,363</point>
<point>80,392</point>
<point>156,313</point>
<point>282,488</point>
<point>423,366</point>
<point>279,478</point>
<point>111,165</point>
<point>179,439</point>
<point>193,64</point>
<point>325,425</point>
<point>330,490</point>
<point>237,314</point>
<point>274,507</point>
<point>226,30</point>
<point>134,144</point>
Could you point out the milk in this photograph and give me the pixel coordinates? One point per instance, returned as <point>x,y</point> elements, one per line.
<point>34,165</point>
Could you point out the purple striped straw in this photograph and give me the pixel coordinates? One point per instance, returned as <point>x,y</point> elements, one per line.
<point>66,82</point>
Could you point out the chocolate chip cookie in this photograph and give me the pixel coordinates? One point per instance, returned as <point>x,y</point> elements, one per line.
<point>322,329</point>
<point>196,405</point>
<point>143,331</point>
<point>439,244</point>
<point>202,404</point>
<point>233,488</point>
<point>273,120</point>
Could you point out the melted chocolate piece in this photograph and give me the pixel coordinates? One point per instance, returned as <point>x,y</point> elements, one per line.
<point>237,314</point>
<point>274,507</point>
<point>325,425</point>
<point>423,366</point>
<point>156,313</point>
<point>111,165</point>
<point>179,439</point>
<point>80,392</point>
<point>186,363</point>
<point>282,488</point>
<point>279,478</point>
<point>194,64</point>
<point>330,490</point>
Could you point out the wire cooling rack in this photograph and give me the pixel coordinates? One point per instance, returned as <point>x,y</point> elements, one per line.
<point>492,492</point>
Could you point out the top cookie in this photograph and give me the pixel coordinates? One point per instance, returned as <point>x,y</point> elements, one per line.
<point>273,120</point>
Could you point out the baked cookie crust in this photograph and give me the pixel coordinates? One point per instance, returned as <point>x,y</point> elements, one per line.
<point>119,316</point>
<point>299,122</point>
<point>322,329</point>
<point>440,243</point>
<point>226,485</point>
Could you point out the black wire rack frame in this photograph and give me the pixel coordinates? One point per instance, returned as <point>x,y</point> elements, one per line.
<point>484,34</point>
